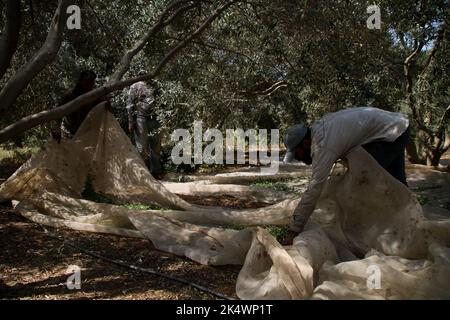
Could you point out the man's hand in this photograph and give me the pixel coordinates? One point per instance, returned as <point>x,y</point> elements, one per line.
<point>130,127</point>
<point>289,238</point>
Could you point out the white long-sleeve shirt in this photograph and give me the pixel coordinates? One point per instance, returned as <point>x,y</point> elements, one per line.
<point>336,135</point>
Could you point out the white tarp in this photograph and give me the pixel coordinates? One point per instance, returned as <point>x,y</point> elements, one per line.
<point>367,227</point>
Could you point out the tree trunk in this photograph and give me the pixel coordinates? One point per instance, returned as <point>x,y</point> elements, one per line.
<point>413,155</point>
<point>47,53</point>
<point>434,160</point>
<point>9,37</point>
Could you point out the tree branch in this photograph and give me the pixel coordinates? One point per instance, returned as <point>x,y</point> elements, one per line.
<point>441,133</point>
<point>436,45</point>
<point>192,36</point>
<point>446,144</point>
<point>107,30</point>
<point>46,54</point>
<point>260,94</point>
<point>213,46</point>
<point>267,92</point>
<point>138,46</point>
<point>410,59</point>
<point>32,121</point>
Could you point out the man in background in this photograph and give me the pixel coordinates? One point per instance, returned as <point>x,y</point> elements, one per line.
<point>72,122</point>
<point>143,123</point>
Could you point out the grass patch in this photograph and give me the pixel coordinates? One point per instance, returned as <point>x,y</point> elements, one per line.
<point>277,232</point>
<point>273,185</point>
<point>140,206</point>
<point>90,194</point>
<point>16,156</point>
<point>184,178</point>
<point>425,188</point>
<point>423,200</point>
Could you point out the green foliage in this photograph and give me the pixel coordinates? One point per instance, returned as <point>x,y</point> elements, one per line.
<point>142,207</point>
<point>278,232</point>
<point>322,50</point>
<point>423,200</point>
<point>16,156</point>
<point>273,185</point>
<point>425,188</point>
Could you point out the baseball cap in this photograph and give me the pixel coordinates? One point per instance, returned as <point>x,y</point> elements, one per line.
<point>294,135</point>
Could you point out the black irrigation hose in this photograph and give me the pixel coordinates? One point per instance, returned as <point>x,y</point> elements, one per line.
<point>129,266</point>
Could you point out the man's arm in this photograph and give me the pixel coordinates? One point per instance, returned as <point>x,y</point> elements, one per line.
<point>322,164</point>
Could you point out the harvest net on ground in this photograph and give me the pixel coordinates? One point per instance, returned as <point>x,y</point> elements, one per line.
<point>365,220</point>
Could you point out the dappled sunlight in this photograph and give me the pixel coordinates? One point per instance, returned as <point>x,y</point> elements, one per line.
<point>346,224</point>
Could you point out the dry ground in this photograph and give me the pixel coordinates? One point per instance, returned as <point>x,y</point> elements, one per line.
<point>33,265</point>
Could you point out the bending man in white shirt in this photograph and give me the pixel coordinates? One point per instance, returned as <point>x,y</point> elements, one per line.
<point>382,133</point>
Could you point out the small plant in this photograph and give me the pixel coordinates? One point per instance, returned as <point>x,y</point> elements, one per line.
<point>16,156</point>
<point>425,188</point>
<point>423,200</point>
<point>278,232</point>
<point>183,178</point>
<point>273,185</point>
<point>142,207</point>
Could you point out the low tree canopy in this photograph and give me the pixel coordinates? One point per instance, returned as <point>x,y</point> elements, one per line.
<point>252,64</point>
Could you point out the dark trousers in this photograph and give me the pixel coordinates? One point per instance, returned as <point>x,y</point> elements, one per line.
<point>148,143</point>
<point>391,155</point>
